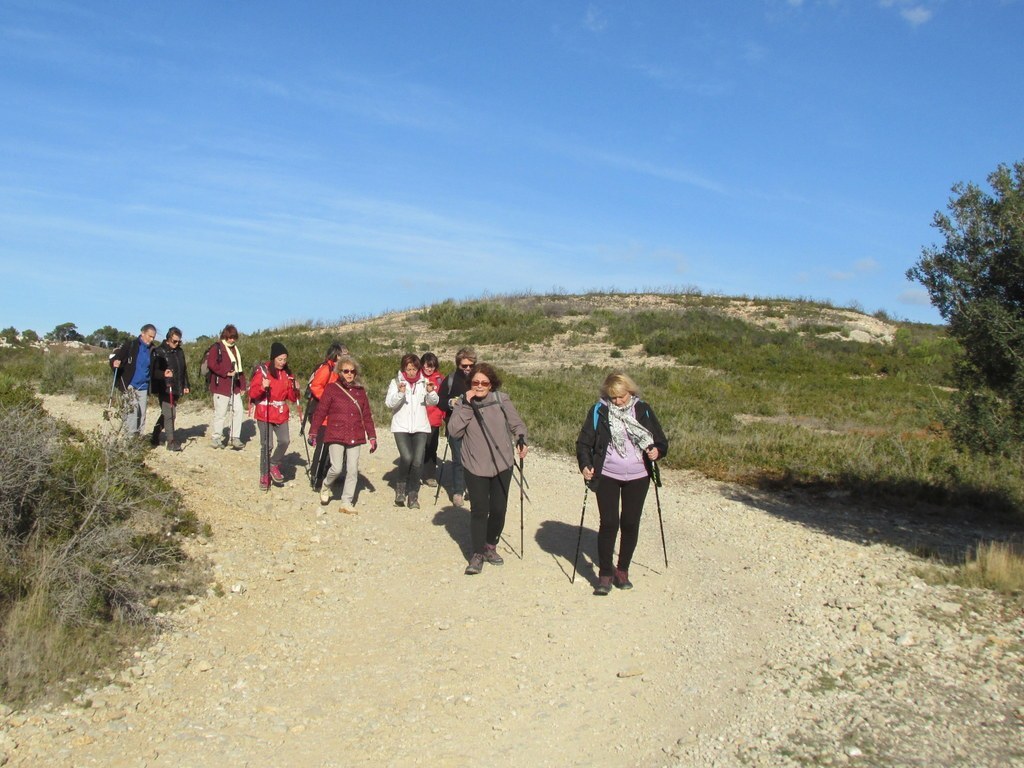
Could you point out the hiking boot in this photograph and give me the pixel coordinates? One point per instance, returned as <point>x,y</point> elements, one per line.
<point>413,501</point>
<point>325,495</point>
<point>399,494</point>
<point>348,509</point>
<point>275,474</point>
<point>476,564</point>
<point>491,555</point>
<point>155,439</point>
<point>237,444</point>
<point>622,579</point>
<point>217,442</point>
<point>430,482</point>
<point>173,446</point>
<point>604,586</point>
<point>265,483</point>
<point>457,500</point>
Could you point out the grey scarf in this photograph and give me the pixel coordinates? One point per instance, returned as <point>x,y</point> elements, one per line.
<point>624,424</point>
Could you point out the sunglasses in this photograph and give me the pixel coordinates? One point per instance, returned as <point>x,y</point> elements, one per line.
<point>174,341</point>
<point>348,370</point>
<point>466,367</point>
<point>480,383</point>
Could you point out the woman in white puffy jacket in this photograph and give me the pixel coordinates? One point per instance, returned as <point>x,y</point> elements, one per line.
<point>409,394</point>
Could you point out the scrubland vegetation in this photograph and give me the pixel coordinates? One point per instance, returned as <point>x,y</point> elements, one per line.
<point>90,545</point>
<point>788,401</point>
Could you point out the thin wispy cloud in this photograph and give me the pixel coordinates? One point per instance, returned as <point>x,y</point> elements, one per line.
<point>917,297</point>
<point>595,19</point>
<point>914,13</point>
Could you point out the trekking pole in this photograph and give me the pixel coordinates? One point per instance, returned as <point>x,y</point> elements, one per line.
<point>657,498</point>
<point>230,409</point>
<point>490,447</point>
<point>110,400</point>
<point>440,471</point>
<point>522,492</point>
<point>305,443</point>
<point>579,536</point>
<point>266,412</point>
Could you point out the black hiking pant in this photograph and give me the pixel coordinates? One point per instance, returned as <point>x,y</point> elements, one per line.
<point>632,493</point>
<point>488,501</point>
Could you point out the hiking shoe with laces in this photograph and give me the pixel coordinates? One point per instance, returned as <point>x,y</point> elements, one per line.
<point>276,475</point>
<point>430,482</point>
<point>400,495</point>
<point>457,500</point>
<point>265,483</point>
<point>217,443</point>
<point>325,495</point>
<point>604,586</point>
<point>237,444</point>
<point>173,446</point>
<point>476,564</point>
<point>491,555</point>
<point>621,579</point>
<point>413,501</point>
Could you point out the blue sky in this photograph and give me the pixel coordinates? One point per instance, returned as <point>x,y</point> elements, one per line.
<point>196,163</point>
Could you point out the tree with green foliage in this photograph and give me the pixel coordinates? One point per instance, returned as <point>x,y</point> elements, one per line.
<point>11,334</point>
<point>108,337</point>
<point>29,336</point>
<point>65,332</point>
<point>976,281</point>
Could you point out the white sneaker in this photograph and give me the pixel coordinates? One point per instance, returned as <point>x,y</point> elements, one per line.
<point>325,495</point>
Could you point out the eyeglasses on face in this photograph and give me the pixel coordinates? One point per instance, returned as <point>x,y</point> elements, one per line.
<point>174,341</point>
<point>348,370</point>
<point>465,366</point>
<point>480,383</point>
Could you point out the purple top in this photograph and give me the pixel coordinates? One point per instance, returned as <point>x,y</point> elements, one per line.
<point>628,467</point>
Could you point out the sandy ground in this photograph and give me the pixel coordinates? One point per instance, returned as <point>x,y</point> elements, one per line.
<point>338,640</point>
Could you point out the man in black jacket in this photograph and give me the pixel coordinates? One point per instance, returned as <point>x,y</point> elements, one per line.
<point>170,382</point>
<point>131,361</point>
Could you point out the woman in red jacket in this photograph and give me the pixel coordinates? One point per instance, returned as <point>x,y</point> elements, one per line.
<point>345,410</point>
<point>271,389</point>
<point>435,416</point>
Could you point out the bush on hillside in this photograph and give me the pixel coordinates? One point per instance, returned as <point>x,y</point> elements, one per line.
<point>88,538</point>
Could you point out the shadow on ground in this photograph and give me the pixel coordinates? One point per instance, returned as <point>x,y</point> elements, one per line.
<point>923,529</point>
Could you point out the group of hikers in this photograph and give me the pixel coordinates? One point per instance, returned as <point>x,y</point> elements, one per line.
<point>618,446</point>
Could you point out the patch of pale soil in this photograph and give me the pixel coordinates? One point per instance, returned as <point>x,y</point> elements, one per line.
<point>573,348</point>
<point>776,636</point>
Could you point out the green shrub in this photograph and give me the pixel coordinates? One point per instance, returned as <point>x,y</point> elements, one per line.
<point>492,322</point>
<point>88,537</point>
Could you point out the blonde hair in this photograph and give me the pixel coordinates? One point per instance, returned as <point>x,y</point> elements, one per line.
<point>618,384</point>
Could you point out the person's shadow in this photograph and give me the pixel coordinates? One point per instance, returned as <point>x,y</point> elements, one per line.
<point>455,521</point>
<point>560,539</point>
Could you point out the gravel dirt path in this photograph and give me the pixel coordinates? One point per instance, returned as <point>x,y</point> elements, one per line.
<point>786,630</point>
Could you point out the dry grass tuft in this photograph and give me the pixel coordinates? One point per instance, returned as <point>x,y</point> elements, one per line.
<point>997,565</point>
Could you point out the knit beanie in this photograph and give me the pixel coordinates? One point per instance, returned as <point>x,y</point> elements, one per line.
<point>277,349</point>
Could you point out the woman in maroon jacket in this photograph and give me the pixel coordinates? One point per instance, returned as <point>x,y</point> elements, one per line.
<point>345,409</point>
<point>227,383</point>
